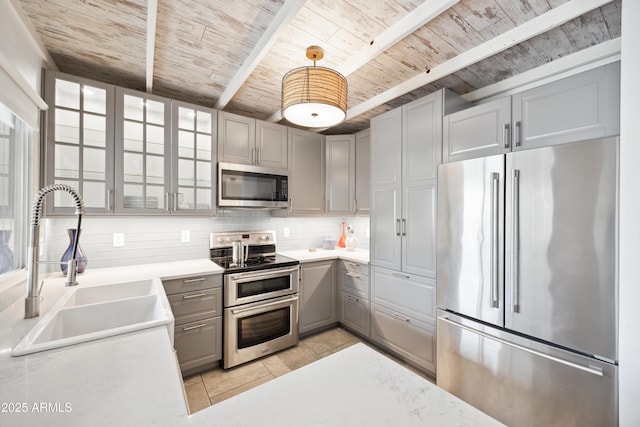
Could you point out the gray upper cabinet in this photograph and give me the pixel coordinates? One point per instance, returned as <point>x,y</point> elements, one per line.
<point>252,142</point>
<point>340,174</point>
<point>193,154</point>
<point>405,152</point>
<point>306,172</point>
<point>479,131</point>
<point>580,107</point>
<point>80,140</point>
<point>271,145</point>
<point>236,138</point>
<point>584,106</point>
<point>143,153</point>
<point>363,172</point>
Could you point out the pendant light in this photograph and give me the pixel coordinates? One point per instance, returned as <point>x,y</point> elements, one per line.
<point>314,96</point>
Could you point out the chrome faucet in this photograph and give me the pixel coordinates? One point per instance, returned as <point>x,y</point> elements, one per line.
<point>32,302</point>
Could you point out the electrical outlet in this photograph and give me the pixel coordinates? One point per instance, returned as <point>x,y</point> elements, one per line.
<point>118,240</point>
<point>185,236</point>
<point>285,231</point>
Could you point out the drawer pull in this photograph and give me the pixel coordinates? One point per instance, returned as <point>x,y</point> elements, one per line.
<point>199,279</point>
<point>404,319</point>
<point>194,296</point>
<point>402,276</point>
<point>352,274</point>
<point>189,328</point>
<point>352,298</point>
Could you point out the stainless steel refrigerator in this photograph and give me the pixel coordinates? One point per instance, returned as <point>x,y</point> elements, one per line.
<point>527,284</point>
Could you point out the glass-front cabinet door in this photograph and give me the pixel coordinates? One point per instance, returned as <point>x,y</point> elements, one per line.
<point>143,152</point>
<point>193,153</point>
<point>79,142</point>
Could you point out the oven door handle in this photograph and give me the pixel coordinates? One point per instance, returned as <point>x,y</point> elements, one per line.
<point>274,272</point>
<point>263,304</point>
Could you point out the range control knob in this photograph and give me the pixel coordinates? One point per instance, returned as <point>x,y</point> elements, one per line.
<point>227,239</point>
<point>264,237</point>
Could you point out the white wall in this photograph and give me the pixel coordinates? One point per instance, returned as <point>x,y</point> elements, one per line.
<point>158,239</point>
<point>629,326</point>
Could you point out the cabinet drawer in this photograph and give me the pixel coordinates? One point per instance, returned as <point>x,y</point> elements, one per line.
<point>354,283</point>
<point>354,267</point>
<point>193,283</point>
<point>198,343</point>
<point>197,305</point>
<point>355,313</point>
<point>408,337</point>
<point>409,294</point>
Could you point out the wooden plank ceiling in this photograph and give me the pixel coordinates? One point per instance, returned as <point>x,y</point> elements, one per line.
<point>201,46</point>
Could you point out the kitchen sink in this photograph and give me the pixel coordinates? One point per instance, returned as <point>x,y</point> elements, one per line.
<point>117,291</point>
<point>96,312</point>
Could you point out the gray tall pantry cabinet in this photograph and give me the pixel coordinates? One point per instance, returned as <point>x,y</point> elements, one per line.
<point>406,148</point>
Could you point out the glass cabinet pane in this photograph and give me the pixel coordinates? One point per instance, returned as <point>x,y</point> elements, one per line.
<point>141,153</point>
<point>79,140</point>
<point>194,167</point>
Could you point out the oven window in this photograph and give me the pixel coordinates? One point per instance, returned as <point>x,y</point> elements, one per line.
<point>259,287</point>
<point>263,327</point>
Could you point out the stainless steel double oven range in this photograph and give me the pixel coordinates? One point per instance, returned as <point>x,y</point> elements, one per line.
<point>260,294</point>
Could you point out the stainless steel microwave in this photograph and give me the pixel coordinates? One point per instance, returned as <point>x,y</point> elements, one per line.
<point>248,186</point>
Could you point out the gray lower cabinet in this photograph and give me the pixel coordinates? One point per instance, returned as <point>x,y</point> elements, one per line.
<point>317,295</point>
<point>353,299</point>
<point>403,315</point>
<point>196,303</point>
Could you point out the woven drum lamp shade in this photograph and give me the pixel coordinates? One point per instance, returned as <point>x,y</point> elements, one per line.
<point>314,96</point>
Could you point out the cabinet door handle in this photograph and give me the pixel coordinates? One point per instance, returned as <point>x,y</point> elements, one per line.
<point>518,141</point>
<point>290,205</point>
<point>194,296</point>
<point>189,328</point>
<point>167,202</point>
<point>404,226</point>
<point>505,136</point>
<point>404,319</point>
<point>355,206</point>
<point>199,279</point>
<point>110,195</point>
<point>398,227</point>
<point>175,202</point>
<point>352,298</point>
<point>253,156</point>
<point>258,156</point>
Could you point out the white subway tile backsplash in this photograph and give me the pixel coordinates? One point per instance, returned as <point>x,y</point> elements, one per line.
<point>158,239</point>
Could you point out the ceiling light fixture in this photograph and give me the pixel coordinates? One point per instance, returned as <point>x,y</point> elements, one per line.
<point>314,96</point>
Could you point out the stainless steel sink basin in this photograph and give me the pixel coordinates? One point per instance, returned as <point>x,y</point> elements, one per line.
<point>96,312</point>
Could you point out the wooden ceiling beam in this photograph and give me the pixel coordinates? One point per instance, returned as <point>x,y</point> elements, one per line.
<point>288,10</point>
<point>536,26</point>
<point>152,17</point>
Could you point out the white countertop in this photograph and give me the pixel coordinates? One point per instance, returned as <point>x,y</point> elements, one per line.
<point>133,379</point>
<point>317,254</point>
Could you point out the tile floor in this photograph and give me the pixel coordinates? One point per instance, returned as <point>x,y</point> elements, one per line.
<point>209,388</point>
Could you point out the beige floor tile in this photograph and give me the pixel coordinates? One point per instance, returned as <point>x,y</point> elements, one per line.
<point>192,379</point>
<point>222,380</point>
<point>328,340</point>
<point>337,349</point>
<point>276,365</point>
<point>197,396</point>
<point>293,358</point>
<point>227,394</point>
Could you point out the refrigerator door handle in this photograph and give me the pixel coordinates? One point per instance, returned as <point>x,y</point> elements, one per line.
<point>515,275</point>
<point>590,369</point>
<point>495,241</point>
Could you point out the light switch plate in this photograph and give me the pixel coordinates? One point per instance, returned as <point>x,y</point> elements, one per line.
<point>185,236</point>
<point>285,231</point>
<point>118,240</point>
